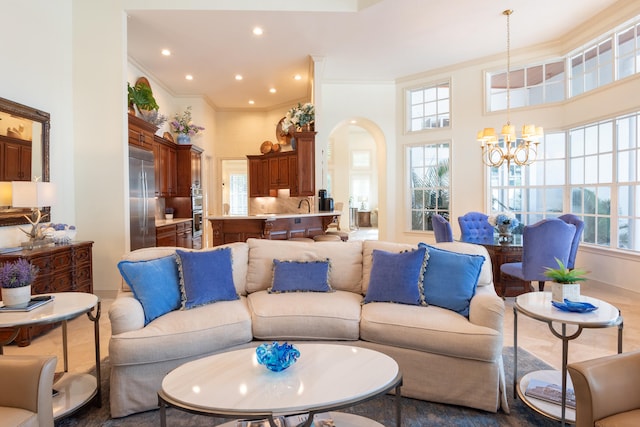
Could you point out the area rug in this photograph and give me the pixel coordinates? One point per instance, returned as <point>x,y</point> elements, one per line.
<point>415,413</point>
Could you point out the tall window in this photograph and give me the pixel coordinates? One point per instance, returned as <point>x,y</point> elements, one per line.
<point>536,191</point>
<point>532,85</point>
<point>429,107</point>
<point>628,227</point>
<point>428,167</point>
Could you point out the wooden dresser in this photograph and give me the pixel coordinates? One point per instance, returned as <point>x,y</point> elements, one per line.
<point>62,268</point>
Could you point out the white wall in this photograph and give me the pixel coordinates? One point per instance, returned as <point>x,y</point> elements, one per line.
<point>36,71</point>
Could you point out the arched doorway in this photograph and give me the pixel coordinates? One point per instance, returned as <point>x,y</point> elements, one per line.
<point>356,172</point>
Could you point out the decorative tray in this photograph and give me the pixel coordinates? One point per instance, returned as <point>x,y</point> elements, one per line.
<point>574,306</point>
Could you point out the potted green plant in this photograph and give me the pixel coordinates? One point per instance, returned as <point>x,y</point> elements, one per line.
<point>141,96</point>
<point>565,282</point>
<point>16,278</point>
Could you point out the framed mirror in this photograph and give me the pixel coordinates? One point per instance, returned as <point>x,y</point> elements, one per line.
<point>24,152</point>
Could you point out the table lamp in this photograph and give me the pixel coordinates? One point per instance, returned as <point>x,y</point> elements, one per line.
<point>34,195</point>
<point>5,193</point>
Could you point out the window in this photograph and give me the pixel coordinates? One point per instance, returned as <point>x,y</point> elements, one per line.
<point>532,85</point>
<point>428,167</point>
<point>592,67</point>
<point>628,51</point>
<point>536,191</point>
<point>238,194</point>
<point>429,107</point>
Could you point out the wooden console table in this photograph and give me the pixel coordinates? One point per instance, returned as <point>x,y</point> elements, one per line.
<point>501,253</point>
<point>364,218</point>
<point>61,268</point>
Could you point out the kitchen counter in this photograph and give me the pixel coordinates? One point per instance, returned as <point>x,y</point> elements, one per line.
<point>163,222</point>
<point>283,226</point>
<point>277,215</point>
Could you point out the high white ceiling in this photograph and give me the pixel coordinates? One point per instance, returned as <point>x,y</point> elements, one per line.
<point>387,40</point>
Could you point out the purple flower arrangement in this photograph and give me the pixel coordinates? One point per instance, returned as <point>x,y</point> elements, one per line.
<point>17,274</point>
<point>184,124</point>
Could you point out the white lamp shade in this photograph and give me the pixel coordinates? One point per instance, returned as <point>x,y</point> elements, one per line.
<point>30,194</point>
<point>5,193</point>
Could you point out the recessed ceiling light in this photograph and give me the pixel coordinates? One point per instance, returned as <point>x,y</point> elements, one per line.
<point>297,77</point>
<point>238,77</point>
<point>257,31</point>
<point>272,90</point>
<point>188,77</point>
<point>251,101</point>
<point>166,52</point>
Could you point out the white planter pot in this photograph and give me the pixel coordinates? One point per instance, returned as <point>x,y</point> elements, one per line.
<point>16,297</point>
<point>562,291</point>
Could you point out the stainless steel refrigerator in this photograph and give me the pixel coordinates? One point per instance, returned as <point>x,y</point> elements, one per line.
<point>142,202</point>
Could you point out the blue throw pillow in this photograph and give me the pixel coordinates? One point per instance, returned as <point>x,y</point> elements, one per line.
<point>155,283</point>
<point>397,277</point>
<point>451,278</point>
<point>206,277</point>
<point>300,276</point>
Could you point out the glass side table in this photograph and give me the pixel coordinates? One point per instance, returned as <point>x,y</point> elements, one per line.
<point>537,305</point>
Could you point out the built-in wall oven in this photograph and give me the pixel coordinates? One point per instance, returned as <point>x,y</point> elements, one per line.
<point>196,209</point>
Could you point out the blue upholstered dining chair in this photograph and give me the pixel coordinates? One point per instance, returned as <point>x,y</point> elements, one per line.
<point>475,225</point>
<point>575,220</point>
<point>542,243</point>
<point>441,229</point>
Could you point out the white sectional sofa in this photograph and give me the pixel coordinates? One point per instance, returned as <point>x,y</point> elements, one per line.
<point>444,356</point>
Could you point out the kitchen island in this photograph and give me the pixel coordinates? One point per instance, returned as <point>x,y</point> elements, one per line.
<point>238,228</point>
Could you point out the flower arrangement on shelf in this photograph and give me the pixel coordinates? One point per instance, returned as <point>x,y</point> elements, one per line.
<point>184,124</point>
<point>299,116</point>
<point>503,220</point>
<point>17,274</point>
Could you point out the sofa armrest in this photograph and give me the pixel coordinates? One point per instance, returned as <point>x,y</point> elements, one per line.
<point>126,314</point>
<point>27,383</point>
<point>605,386</point>
<point>487,309</point>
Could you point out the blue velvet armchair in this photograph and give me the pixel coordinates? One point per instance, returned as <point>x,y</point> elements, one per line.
<point>441,229</point>
<point>542,243</point>
<point>474,225</point>
<point>575,220</point>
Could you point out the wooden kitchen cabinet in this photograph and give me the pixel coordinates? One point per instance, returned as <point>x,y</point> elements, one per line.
<point>15,155</point>
<point>61,268</point>
<point>176,234</point>
<point>166,159</point>
<point>189,168</point>
<point>141,133</point>
<point>258,176</point>
<point>294,170</point>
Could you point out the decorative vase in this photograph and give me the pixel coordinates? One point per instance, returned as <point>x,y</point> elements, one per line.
<point>562,291</point>
<point>277,357</point>
<point>293,143</point>
<point>184,139</point>
<point>505,235</point>
<point>16,297</point>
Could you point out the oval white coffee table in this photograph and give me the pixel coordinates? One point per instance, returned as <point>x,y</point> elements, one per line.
<point>326,377</point>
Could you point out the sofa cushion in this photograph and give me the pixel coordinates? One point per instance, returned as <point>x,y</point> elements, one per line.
<point>300,276</point>
<point>305,315</point>
<point>430,329</point>
<point>450,279</point>
<point>205,277</point>
<point>184,334</point>
<point>239,257</point>
<point>397,277</point>
<point>345,259</point>
<point>486,273</point>
<point>155,283</point>
<point>368,247</point>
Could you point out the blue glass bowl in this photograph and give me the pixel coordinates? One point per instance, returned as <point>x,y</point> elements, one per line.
<point>277,357</point>
<point>574,306</point>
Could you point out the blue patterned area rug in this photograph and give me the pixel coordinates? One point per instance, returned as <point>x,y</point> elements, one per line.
<point>415,413</point>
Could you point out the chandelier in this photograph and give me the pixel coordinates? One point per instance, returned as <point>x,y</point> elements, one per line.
<point>521,151</point>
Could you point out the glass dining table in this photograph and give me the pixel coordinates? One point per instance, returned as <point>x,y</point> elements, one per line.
<point>501,253</point>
